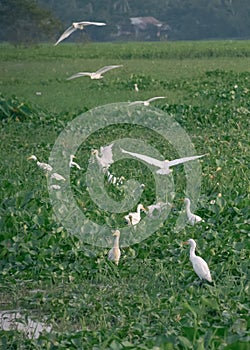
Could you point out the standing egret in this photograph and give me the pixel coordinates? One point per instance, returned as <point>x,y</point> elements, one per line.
<point>136,87</point>
<point>105,156</point>
<point>94,75</point>
<point>72,163</point>
<point>199,265</point>
<point>192,218</point>
<point>75,26</point>
<point>43,166</point>
<point>57,177</point>
<point>135,217</point>
<point>164,165</point>
<point>147,102</point>
<point>115,252</point>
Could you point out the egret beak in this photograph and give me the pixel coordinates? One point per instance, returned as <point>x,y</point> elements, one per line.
<point>184,243</point>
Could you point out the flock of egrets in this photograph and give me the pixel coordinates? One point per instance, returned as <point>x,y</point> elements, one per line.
<point>104,157</point>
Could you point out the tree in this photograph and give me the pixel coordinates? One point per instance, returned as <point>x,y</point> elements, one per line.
<point>24,21</point>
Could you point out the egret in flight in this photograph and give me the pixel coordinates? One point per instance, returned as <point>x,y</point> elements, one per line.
<point>94,75</point>
<point>199,265</point>
<point>115,252</point>
<point>135,217</point>
<point>75,26</point>
<point>104,156</point>
<point>43,166</point>
<point>57,177</point>
<point>72,163</point>
<point>163,165</point>
<point>192,218</point>
<point>147,102</point>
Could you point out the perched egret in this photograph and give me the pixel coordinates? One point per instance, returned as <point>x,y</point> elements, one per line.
<point>57,177</point>
<point>156,207</point>
<point>75,26</point>
<point>199,265</point>
<point>72,163</point>
<point>44,166</point>
<point>192,218</point>
<point>105,159</point>
<point>164,165</point>
<point>136,87</point>
<point>147,102</point>
<point>135,217</point>
<point>94,75</point>
<point>115,252</point>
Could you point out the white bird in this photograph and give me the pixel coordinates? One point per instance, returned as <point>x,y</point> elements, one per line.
<point>43,166</point>
<point>72,163</point>
<point>75,26</point>
<point>94,75</point>
<point>156,207</point>
<point>164,165</point>
<point>199,265</point>
<point>146,102</point>
<point>192,218</point>
<point>55,187</point>
<point>136,87</point>
<point>105,156</point>
<point>57,177</point>
<point>135,217</point>
<point>115,252</point>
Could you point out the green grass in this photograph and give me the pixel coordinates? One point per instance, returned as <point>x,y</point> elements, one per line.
<point>151,300</point>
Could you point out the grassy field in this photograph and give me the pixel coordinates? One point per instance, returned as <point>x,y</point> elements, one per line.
<point>151,300</point>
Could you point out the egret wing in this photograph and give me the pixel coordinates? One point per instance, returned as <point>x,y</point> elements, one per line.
<point>84,23</point>
<point>136,103</point>
<point>183,160</point>
<point>106,69</point>
<point>155,98</point>
<point>149,160</point>
<point>78,75</point>
<point>67,33</point>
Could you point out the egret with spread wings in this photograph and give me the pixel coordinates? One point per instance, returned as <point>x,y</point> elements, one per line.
<point>163,165</point>
<point>94,75</point>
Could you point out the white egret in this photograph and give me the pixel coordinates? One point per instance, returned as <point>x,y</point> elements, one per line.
<point>151,209</point>
<point>72,163</point>
<point>94,75</point>
<point>105,156</point>
<point>192,218</point>
<point>136,87</point>
<point>135,217</point>
<point>199,265</point>
<point>147,102</point>
<point>164,165</point>
<point>75,26</point>
<point>43,166</point>
<point>115,252</point>
<point>57,177</point>
<point>55,187</point>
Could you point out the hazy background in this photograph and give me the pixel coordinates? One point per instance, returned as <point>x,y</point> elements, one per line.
<point>30,21</point>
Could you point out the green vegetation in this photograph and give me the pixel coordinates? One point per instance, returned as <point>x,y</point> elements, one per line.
<point>151,300</point>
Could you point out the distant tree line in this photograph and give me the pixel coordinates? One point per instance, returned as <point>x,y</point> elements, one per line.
<point>27,21</point>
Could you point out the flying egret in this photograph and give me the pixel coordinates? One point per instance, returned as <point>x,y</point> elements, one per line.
<point>105,156</point>
<point>147,102</point>
<point>115,252</point>
<point>192,218</point>
<point>72,163</point>
<point>94,75</point>
<point>156,207</point>
<point>57,177</point>
<point>135,217</point>
<point>75,26</point>
<point>199,265</point>
<point>164,165</point>
<point>43,166</point>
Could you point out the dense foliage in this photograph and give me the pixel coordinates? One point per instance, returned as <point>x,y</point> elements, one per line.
<point>152,299</point>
